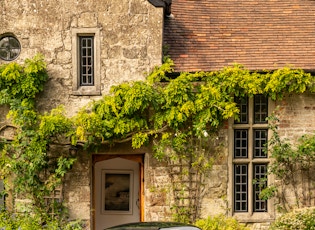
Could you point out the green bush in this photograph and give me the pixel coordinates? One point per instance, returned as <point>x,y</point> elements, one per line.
<point>301,219</point>
<point>220,222</point>
<point>27,221</point>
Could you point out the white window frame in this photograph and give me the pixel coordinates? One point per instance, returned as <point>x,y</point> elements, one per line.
<point>248,216</point>
<point>77,89</point>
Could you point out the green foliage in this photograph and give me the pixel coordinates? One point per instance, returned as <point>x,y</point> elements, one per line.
<point>27,156</point>
<point>220,222</point>
<point>289,162</point>
<point>13,221</point>
<point>160,72</point>
<point>181,214</point>
<point>301,219</point>
<point>116,117</point>
<point>27,221</point>
<point>288,80</point>
<point>177,114</point>
<point>192,101</point>
<point>195,156</point>
<point>19,86</point>
<point>26,160</point>
<point>54,124</point>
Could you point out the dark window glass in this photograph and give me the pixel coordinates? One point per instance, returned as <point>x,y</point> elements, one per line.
<point>240,188</point>
<point>260,171</point>
<point>240,143</point>
<point>86,60</point>
<point>10,48</point>
<point>242,104</point>
<point>260,109</point>
<point>260,141</point>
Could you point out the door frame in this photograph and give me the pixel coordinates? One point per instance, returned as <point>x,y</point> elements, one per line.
<point>139,158</point>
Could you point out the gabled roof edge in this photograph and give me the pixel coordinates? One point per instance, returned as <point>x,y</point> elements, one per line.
<point>166,4</point>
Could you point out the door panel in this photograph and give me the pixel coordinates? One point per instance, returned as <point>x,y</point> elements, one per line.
<point>117,192</point>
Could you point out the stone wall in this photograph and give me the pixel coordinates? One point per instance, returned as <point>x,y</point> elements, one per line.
<point>130,41</point>
<point>161,179</point>
<point>77,189</point>
<point>130,38</point>
<point>296,115</point>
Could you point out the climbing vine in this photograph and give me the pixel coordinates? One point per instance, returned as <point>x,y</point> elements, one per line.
<point>189,160</point>
<point>26,162</point>
<point>175,114</point>
<point>293,166</point>
<point>196,102</point>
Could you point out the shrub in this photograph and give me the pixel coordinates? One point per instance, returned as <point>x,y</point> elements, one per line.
<point>27,221</point>
<point>301,219</point>
<point>220,222</point>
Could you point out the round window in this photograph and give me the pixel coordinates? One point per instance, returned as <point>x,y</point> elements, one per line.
<point>10,48</point>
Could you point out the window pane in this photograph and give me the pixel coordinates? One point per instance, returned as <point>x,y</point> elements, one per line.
<point>260,109</point>
<point>240,188</point>
<point>242,104</point>
<point>260,171</point>
<point>9,48</point>
<point>14,43</point>
<point>260,141</point>
<point>86,60</point>
<point>89,42</point>
<point>240,143</point>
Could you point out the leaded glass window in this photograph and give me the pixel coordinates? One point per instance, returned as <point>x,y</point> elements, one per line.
<point>241,187</point>
<point>240,143</point>
<point>260,108</point>
<point>260,141</point>
<point>260,171</point>
<point>250,159</point>
<point>86,60</point>
<point>242,104</point>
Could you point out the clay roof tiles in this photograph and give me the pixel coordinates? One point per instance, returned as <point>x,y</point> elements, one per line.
<point>259,34</point>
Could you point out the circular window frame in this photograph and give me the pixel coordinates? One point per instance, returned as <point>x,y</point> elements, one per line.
<point>10,47</point>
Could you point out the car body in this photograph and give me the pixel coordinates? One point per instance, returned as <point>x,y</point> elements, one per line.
<point>154,226</point>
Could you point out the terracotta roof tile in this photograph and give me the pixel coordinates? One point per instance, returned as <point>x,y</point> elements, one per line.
<point>212,34</point>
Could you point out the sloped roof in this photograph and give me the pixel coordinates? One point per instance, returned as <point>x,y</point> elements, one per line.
<point>259,34</point>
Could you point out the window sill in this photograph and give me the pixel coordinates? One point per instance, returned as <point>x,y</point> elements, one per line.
<point>87,91</point>
<point>257,217</point>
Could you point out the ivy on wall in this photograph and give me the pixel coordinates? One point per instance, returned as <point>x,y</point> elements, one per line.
<point>170,113</point>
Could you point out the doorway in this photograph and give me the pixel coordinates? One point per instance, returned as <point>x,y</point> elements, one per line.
<point>118,190</point>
